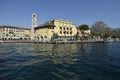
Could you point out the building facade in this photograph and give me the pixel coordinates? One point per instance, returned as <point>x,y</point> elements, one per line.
<point>87,33</point>
<point>59,29</point>
<point>12,33</point>
<point>51,30</point>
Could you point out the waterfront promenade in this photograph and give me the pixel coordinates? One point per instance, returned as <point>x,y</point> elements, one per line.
<point>51,42</point>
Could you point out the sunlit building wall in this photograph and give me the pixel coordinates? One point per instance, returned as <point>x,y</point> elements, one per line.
<point>11,32</point>
<point>34,24</point>
<point>56,28</point>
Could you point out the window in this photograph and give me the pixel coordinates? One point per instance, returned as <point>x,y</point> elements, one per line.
<point>71,32</point>
<point>67,28</point>
<point>33,15</point>
<point>60,32</point>
<point>64,32</point>
<point>67,32</point>
<point>33,23</point>
<point>60,27</point>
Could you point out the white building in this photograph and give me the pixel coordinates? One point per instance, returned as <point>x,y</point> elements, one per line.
<point>11,32</point>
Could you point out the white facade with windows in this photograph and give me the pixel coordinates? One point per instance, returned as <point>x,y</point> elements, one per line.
<point>11,32</point>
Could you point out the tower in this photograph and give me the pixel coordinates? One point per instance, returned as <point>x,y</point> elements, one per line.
<point>34,24</point>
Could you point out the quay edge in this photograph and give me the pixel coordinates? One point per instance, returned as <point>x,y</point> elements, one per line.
<point>51,42</point>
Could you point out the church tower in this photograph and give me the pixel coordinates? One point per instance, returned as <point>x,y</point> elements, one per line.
<point>34,24</point>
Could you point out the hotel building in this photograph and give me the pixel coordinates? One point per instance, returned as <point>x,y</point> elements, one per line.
<point>13,33</point>
<point>59,29</point>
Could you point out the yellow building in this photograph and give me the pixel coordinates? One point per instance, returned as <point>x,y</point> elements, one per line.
<point>27,33</point>
<point>59,29</point>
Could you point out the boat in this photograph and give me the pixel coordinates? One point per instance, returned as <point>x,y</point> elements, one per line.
<point>109,39</point>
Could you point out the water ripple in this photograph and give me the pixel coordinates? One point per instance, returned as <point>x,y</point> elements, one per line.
<point>86,61</point>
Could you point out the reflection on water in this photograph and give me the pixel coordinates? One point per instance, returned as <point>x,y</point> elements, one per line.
<point>85,61</point>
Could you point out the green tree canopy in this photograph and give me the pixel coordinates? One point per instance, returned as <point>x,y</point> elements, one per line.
<point>55,35</point>
<point>84,27</point>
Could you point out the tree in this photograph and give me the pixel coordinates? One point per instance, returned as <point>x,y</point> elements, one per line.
<point>84,30</point>
<point>105,36</point>
<point>84,27</point>
<point>55,36</point>
<point>98,28</point>
<point>116,33</point>
<point>108,31</point>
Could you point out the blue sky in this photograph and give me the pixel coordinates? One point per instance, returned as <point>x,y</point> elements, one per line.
<point>18,12</point>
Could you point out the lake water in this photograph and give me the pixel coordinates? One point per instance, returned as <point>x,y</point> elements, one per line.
<point>84,61</point>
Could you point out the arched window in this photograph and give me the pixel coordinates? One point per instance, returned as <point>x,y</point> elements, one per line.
<point>71,32</point>
<point>64,32</point>
<point>60,32</point>
<point>67,28</point>
<point>60,27</point>
<point>67,32</point>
